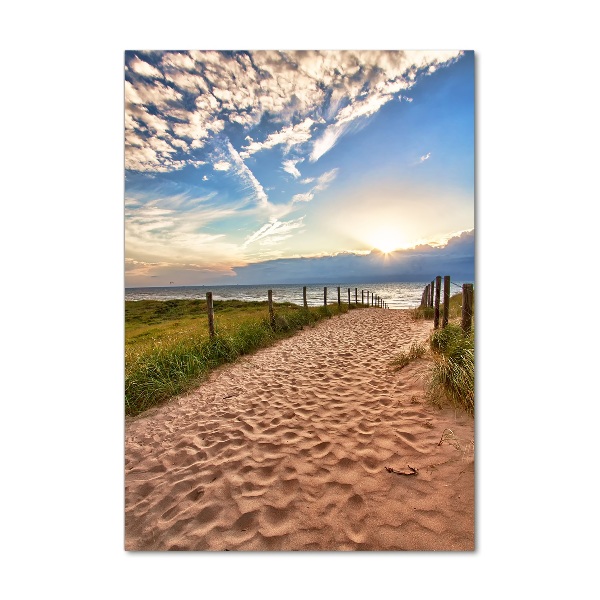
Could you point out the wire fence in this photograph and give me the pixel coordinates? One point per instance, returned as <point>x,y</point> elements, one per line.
<point>431,299</point>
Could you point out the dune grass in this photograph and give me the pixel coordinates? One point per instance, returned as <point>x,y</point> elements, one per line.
<point>168,349</point>
<point>453,373</point>
<point>416,350</point>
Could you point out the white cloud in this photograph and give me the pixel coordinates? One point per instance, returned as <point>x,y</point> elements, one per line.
<point>155,94</point>
<point>221,165</point>
<point>425,157</point>
<point>275,227</point>
<point>176,228</point>
<point>290,136</point>
<point>322,184</point>
<point>143,68</point>
<point>306,197</point>
<point>294,93</point>
<point>324,180</point>
<point>327,141</point>
<point>227,154</point>
<point>362,108</point>
<point>289,166</point>
<point>205,178</point>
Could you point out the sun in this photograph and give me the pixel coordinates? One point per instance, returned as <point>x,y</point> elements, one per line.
<point>386,240</point>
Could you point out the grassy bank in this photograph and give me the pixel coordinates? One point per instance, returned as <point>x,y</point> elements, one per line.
<point>453,374</point>
<point>168,349</point>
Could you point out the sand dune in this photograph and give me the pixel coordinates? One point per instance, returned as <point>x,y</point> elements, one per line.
<point>287,450</point>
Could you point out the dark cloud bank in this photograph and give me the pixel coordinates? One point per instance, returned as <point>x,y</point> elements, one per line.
<point>421,263</point>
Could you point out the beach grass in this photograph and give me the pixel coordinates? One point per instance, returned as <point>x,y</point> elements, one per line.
<point>416,350</point>
<point>453,374</point>
<point>168,349</point>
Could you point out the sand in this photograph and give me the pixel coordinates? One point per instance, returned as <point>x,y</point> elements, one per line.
<point>287,449</point>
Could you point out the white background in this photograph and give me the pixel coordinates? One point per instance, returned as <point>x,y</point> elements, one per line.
<point>62,299</point>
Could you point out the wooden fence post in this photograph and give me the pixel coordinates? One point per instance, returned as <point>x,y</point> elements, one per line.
<point>304,297</point>
<point>436,312</point>
<point>211,314</point>
<point>431,291</point>
<point>325,296</point>
<point>355,295</point>
<point>467,307</point>
<point>362,297</point>
<point>271,313</point>
<point>339,298</point>
<point>446,300</point>
<point>348,297</point>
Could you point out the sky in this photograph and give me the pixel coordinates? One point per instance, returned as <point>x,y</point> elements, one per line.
<point>282,167</point>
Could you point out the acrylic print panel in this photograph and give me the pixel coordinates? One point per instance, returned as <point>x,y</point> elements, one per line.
<point>299,318</point>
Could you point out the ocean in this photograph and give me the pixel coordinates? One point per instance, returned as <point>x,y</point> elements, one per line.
<point>396,295</point>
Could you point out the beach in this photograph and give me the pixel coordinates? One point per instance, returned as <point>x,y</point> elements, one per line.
<point>291,448</point>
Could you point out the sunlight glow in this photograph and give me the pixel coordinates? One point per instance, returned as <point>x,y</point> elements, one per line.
<point>386,240</point>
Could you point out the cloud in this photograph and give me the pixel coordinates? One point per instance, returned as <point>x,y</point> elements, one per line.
<point>221,165</point>
<point>421,263</point>
<point>143,68</point>
<point>289,136</point>
<point>322,184</point>
<point>289,166</point>
<point>292,98</point>
<point>225,153</point>
<point>275,228</point>
<point>306,197</point>
<point>327,141</point>
<point>324,180</point>
<point>362,108</point>
<point>425,157</point>
<point>177,229</point>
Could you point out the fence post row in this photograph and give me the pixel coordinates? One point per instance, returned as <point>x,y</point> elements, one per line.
<point>427,299</point>
<point>211,314</point>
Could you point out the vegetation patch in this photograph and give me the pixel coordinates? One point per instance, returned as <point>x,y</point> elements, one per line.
<point>416,350</point>
<point>453,373</point>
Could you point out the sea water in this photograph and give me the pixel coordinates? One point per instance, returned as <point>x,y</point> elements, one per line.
<point>396,295</point>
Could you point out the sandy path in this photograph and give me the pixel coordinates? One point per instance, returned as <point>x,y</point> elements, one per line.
<point>287,449</point>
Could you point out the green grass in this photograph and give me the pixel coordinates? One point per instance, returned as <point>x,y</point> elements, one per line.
<point>415,351</point>
<point>453,373</point>
<point>168,349</point>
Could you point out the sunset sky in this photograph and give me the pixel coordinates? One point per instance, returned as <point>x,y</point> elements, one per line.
<point>237,158</point>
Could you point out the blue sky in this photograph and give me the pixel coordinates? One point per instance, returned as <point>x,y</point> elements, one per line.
<point>238,158</point>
